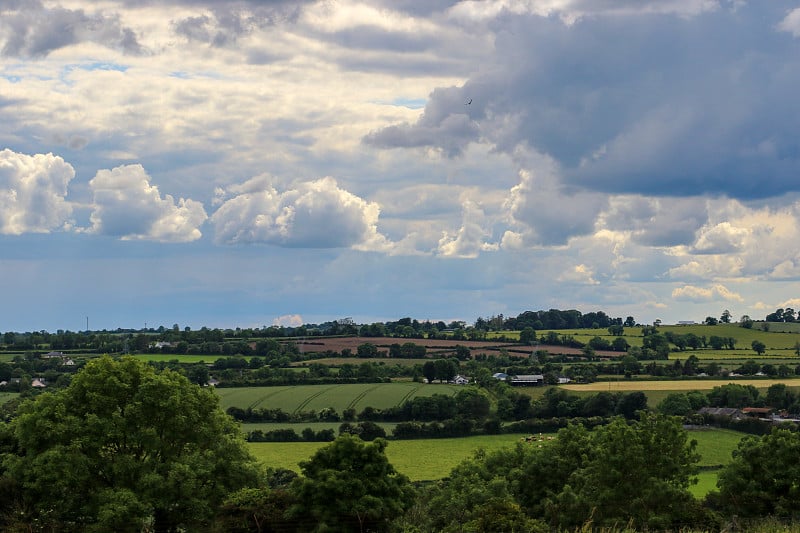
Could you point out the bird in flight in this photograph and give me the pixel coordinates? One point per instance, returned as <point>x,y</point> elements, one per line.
<point>468,102</point>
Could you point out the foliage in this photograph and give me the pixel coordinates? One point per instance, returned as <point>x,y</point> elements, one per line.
<point>763,478</point>
<point>125,445</point>
<point>638,472</point>
<point>349,485</point>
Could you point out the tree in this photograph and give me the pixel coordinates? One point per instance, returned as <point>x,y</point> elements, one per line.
<point>758,346</point>
<point>710,321</point>
<point>639,473</point>
<point>124,445</point>
<point>746,322</point>
<point>675,404</point>
<point>527,336</point>
<point>349,485</point>
<point>726,317</point>
<point>616,330</point>
<point>761,479</point>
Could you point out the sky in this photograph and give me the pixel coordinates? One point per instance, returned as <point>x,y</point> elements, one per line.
<point>257,162</point>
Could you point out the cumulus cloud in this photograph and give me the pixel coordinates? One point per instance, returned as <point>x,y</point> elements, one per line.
<point>291,321</point>
<point>692,293</point>
<point>791,23</point>
<point>470,239</point>
<point>32,30</point>
<point>547,214</point>
<point>316,214</point>
<point>32,193</point>
<point>721,238</point>
<point>127,206</point>
<point>581,274</point>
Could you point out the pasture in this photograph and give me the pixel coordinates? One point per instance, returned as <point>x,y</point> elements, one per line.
<point>296,398</point>
<point>432,459</point>
<point>420,460</point>
<point>6,396</point>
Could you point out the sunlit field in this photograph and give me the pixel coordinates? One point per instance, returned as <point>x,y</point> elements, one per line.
<point>674,385</point>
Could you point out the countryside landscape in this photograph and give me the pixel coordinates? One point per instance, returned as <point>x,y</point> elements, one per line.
<point>432,403</point>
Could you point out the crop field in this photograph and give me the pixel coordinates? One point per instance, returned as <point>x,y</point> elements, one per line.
<point>675,385</point>
<point>339,396</point>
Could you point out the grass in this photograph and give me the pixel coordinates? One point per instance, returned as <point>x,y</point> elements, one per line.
<point>431,459</point>
<point>6,396</point>
<point>420,460</point>
<point>294,398</point>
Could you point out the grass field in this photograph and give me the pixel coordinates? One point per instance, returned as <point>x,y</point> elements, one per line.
<point>6,396</point>
<point>294,398</point>
<point>423,459</point>
<point>430,459</point>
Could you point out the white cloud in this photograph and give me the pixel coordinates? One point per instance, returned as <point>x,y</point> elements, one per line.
<point>127,206</point>
<point>291,321</point>
<point>791,23</point>
<point>581,274</point>
<point>705,294</point>
<point>316,214</point>
<point>32,193</point>
<point>470,239</point>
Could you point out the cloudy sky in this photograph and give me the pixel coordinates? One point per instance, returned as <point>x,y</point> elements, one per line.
<point>252,162</point>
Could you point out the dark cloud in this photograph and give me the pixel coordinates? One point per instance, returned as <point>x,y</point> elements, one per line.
<point>34,31</point>
<point>658,104</point>
<point>230,21</point>
<point>445,124</point>
<point>417,8</point>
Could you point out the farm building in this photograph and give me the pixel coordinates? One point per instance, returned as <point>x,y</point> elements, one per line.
<point>527,379</point>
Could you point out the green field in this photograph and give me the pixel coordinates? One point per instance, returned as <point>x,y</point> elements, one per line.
<point>6,396</point>
<point>423,459</point>
<point>295,398</point>
<point>429,459</point>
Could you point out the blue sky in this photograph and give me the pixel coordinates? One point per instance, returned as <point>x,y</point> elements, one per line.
<point>252,162</point>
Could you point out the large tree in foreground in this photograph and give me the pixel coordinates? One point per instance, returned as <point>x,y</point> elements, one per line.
<point>763,478</point>
<point>125,447</point>
<point>349,485</point>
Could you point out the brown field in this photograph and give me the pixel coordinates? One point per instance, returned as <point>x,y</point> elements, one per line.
<point>435,346</point>
<point>678,385</point>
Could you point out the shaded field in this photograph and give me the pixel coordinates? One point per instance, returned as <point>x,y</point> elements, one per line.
<point>298,427</point>
<point>295,398</point>
<point>6,396</point>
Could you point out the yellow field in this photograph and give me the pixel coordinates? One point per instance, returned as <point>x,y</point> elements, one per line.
<point>681,385</point>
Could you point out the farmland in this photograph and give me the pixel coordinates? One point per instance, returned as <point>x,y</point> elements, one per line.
<point>675,385</point>
<point>292,399</point>
<point>430,459</point>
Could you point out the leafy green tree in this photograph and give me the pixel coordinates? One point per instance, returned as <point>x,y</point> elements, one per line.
<point>734,395</point>
<point>349,485</point>
<point>726,317</point>
<point>527,336</point>
<point>634,472</point>
<point>675,404</point>
<point>758,346</point>
<point>124,446</point>
<point>762,478</point>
